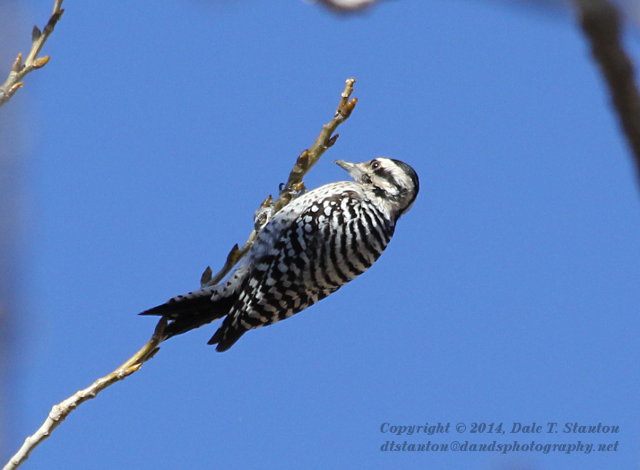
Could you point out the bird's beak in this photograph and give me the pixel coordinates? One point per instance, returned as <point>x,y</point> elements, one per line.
<point>352,168</point>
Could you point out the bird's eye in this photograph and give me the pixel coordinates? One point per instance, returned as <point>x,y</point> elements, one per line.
<point>375,165</point>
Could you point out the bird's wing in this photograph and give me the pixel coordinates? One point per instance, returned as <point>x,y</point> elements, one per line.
<point>290,274</point>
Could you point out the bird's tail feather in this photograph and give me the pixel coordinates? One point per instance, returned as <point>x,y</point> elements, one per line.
<point>191,311</point>
<point>229,332</point>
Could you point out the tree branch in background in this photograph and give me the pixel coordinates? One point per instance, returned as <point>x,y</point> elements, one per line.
<point>291,189</point>
<point>600,23</point>
<point>347,6</point>
<point>32,62</point>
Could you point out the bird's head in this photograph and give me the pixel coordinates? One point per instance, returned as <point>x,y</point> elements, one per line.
<point>391,183</point>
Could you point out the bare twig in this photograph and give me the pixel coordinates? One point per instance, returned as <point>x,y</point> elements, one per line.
<point>293,187</point>
<point>600,22</point>
<point>20,68</point>
<point>60,411</point>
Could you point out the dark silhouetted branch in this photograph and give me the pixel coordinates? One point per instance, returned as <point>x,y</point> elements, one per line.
<point>600,22</point>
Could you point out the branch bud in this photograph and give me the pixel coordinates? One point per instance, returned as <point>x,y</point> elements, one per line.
<point>41,62</point>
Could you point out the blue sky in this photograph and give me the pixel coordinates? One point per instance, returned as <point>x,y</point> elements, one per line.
<point>509,293</point>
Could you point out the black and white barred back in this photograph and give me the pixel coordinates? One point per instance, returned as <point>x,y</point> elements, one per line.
<point>315,245</point>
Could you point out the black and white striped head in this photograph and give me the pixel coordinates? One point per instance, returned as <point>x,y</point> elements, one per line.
<point>391,183</point>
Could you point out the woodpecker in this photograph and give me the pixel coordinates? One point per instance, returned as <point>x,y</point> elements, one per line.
<point>313,246</point>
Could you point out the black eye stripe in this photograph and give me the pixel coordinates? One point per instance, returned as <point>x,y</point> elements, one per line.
<point>383,172</point>
<point>386,174</point>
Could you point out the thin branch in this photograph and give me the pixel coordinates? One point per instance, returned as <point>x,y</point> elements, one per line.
<point>60,411</point>
<point>20,68</point>
<point>600,23</point>
<point>293,187</point>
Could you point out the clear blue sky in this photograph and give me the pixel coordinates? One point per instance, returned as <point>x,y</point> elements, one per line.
<point>509,293</point>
